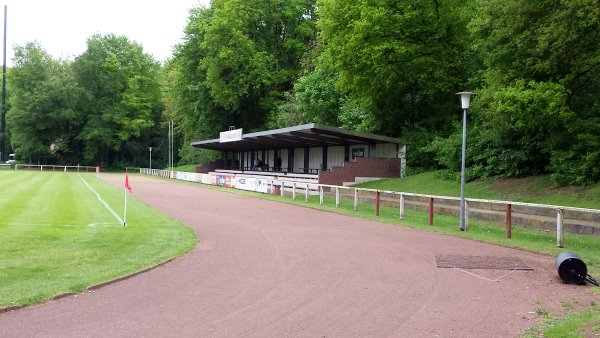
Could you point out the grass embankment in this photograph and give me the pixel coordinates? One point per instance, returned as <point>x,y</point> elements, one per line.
<point>188,168</point>
<point>57,237</point>
<point>530,189</point>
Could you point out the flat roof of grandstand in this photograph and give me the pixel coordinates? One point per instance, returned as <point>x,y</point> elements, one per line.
<point>306,135</point>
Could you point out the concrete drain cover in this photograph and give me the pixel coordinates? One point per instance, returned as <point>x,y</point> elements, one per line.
<point>481,262</point>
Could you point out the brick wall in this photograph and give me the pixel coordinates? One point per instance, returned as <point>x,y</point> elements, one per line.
<point>361,167</point>
<point>212,166</point>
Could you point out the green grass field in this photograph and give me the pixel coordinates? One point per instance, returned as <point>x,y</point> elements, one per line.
<point>57,237</point>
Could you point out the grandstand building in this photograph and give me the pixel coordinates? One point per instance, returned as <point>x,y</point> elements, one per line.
<point>322,154</point>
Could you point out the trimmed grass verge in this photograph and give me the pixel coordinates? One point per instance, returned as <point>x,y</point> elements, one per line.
<point>58,238</point>
<point>538,189</point>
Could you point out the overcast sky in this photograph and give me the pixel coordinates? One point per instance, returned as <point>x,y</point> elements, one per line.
<point>63,26</point>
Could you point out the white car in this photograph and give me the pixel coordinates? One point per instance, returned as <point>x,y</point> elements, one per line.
<point>11,159</point>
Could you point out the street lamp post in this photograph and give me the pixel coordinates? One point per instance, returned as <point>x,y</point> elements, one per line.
<point>465,99</point>
<point>150,157</point>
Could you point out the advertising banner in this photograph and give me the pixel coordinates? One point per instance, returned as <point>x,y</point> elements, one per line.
<point>242,183</point>
<point>229,181</point>
<point>184,176</point>
<point>205,179</point>
<point>251,184</point>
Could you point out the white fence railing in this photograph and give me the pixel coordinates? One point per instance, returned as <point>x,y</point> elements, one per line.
<point>64,168</point>
<point>284,187</point>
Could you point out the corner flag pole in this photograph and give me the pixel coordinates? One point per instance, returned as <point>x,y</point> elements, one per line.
<point>127,187</point>
<point>125,210</point>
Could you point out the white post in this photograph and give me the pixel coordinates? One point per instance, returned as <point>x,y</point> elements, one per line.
<point>125,209</point>
<point>355,199</point>
<point>306,194</point>
<point>293,190</point>
<point>281,188</point>
<point>401,206</point>
<point>559,228</point>
<point>337,197</point>
<point>320,195</point>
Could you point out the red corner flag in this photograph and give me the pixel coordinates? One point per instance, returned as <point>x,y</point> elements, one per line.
<point>127,186</point>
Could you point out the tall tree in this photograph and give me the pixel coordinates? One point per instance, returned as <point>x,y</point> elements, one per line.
<point>238,59</point>
<point>401,60</point>
<point>541,57</point>
<point>556,41</point>
<point>191,107</point>
<point>122,94</point>
<point>43,101</point>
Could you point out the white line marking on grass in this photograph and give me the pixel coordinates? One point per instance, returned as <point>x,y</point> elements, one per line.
<point>39,224</point>
<point>102,201</point>
<point>94,225</point>
<point>91,225</point>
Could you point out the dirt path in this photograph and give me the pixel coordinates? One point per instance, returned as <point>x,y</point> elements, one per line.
<point>267,269</point>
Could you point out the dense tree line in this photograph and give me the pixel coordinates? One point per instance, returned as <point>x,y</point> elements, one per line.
<point>98,109</point>
<point>390,67</point>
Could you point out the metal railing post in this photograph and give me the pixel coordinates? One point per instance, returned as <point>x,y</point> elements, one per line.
<point>306,194</point>
<point>430,210</point>
<point>401,216</point>
<point>559,228</point>
<point>377,195</point>
<point>320,195</point>
<point>508,222</point>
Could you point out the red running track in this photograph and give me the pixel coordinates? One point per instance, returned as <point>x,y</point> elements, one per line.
<point>268,269</point>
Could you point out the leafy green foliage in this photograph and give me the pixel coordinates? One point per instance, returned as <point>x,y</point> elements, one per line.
<point>514,131</point>
<point>578,162</point>
<point>516,128</point>
<point>314,99</point>
<point>122,92</point>
<point>541,59</point>
<point>236,63</point>
<point>238,59</point>
<point>389,67</point>
<point>44,94</point>
<point>401,61</point>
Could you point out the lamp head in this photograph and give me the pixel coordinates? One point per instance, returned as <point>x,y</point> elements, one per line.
<point>465,99</point>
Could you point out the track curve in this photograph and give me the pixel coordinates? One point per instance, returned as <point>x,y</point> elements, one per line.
<point>264,268</point>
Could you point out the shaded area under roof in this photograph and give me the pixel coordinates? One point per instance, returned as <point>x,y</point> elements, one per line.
<point>306,135</point>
